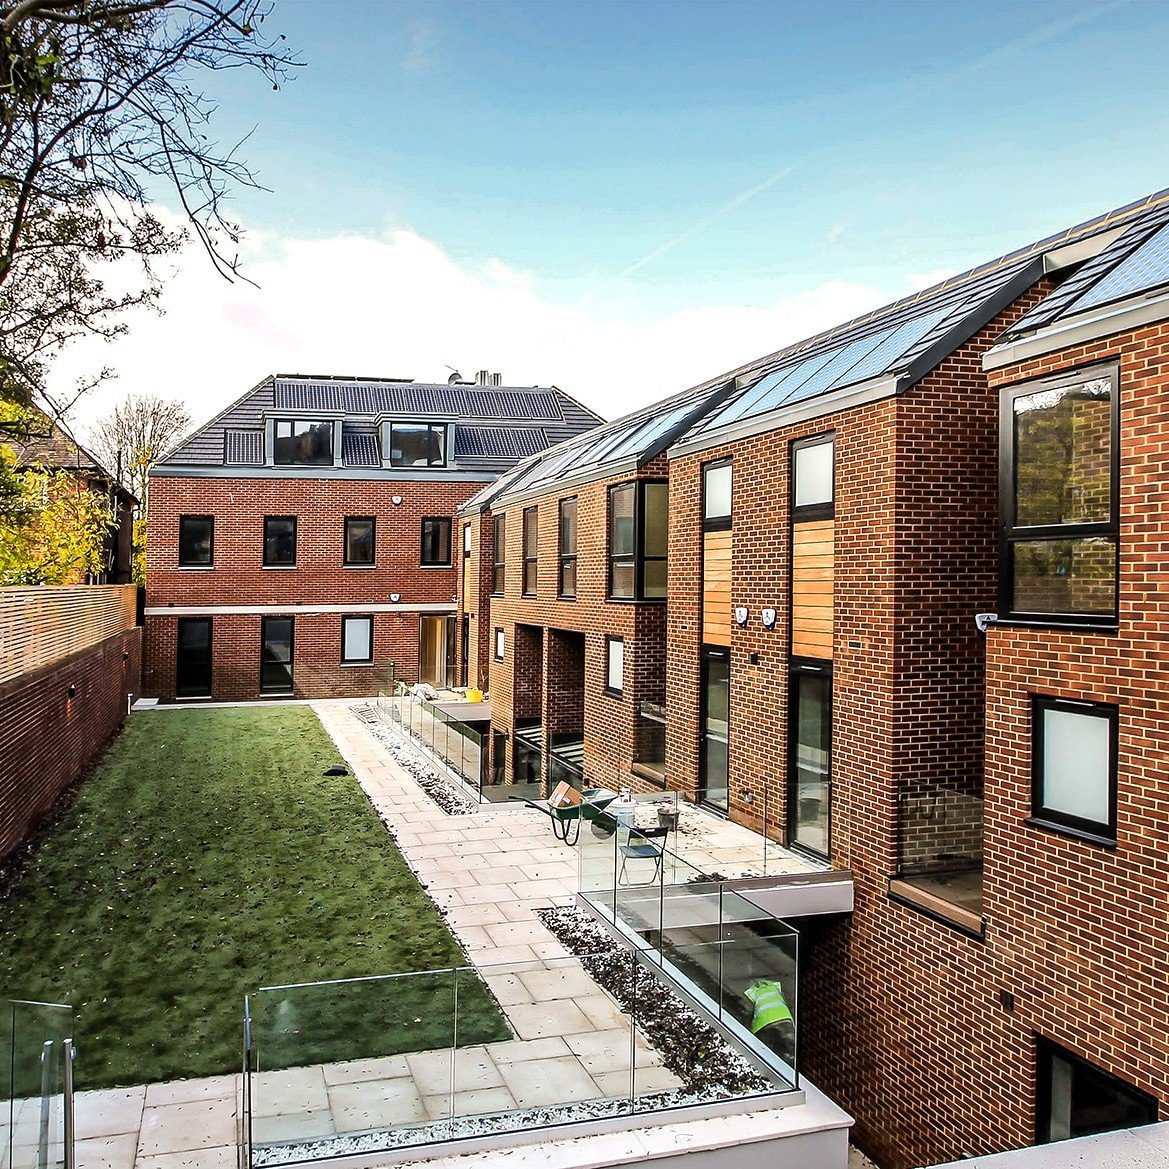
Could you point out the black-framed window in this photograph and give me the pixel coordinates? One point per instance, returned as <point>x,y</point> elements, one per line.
<point>813,478</point>
<point>417,444</point>
<point>436,542</point>
<point>499,644</point>
<point>360,540</point>
<point>1077,1099</point>
<point>280,541</point>
<point>717,486</point>
<point>357,639</point>
<point>614,665</point>
<point>499,569</point>
<point>196,540</point>
<point>302,442</point>
<point>566,585</point>
<point>1073,763</point>
<point>1059,497</point>
<point>466,541</point>
<point>531,550</point>
<point>638,540</point>
<point>276,655</point>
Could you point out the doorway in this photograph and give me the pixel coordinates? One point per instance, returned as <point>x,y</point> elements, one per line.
<point>713,779</point>
<point>436,650</point>
<point>809,793</point>
<point>276,655</point>
<point>193,658</point>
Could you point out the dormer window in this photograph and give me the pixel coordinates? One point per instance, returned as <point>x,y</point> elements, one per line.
<point>303,442</point>
<point>417,444</point>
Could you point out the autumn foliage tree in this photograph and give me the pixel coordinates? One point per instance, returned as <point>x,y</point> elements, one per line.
<point>101,112</point>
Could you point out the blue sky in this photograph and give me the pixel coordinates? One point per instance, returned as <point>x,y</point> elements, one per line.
<point>572,139</point>
<point>634,164</point>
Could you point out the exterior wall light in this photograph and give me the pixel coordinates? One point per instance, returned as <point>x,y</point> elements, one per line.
<point>395,598</point>
<point>395,500</point>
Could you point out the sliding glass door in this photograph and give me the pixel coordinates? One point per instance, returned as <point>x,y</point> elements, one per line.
<point>810,765</point>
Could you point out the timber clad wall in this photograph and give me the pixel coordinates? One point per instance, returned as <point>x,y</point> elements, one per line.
<point>84,640</point>
<point>812,562</point>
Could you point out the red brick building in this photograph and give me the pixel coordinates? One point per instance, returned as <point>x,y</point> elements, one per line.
<point>845,517</point>
<point>302,542</point>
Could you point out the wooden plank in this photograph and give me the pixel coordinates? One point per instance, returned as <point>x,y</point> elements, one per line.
<point>813,566</point>
<point>41,625</point>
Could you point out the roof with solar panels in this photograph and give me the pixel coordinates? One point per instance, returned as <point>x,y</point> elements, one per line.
<point>307,424</point>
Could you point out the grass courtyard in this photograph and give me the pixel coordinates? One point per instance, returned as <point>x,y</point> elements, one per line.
<point>208,856</point>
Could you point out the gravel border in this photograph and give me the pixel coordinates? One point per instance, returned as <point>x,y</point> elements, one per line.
<point>708,1066</point>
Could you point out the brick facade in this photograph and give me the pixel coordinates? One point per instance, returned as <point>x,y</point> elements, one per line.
<point>240,579</point>
<point>608,721</point>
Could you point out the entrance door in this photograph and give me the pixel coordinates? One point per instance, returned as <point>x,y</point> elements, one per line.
<point>713,764</point>
<point>810,765</point>
<point>193,658</point>
<point>276,655</point>
<point>435,649</point>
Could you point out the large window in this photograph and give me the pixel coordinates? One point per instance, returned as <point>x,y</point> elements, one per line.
<point>436,543</point>
<point>638,539</point>
<point>567,574</point>
<point>813,478</point>
<point>1074,766</point>
<point>716,495</point>
<point>357,639</point>
<point>360,541</point>
<point>1076,1099</point>
<point>499,573</point>
<point>280,541</point>
<point>417,444</point>
<point>531,550</point>
<point>303,443</point>
<point>196,540</point>
<point>1059,498</point>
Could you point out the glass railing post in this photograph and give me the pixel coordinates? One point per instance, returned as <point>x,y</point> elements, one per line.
<point>454,1040</point>
<point>67,1054</point>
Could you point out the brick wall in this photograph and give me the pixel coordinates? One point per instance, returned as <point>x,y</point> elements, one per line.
<point>49,737</point>
<point>609,720</point>
<point>320,577</point>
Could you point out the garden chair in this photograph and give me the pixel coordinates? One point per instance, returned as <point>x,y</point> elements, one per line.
<point>643,845</point>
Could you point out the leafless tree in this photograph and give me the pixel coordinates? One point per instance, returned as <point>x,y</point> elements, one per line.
<point>142,428</point>
<point>101,111</point>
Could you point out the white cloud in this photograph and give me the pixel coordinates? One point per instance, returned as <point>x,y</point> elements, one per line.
<point>399,306</point>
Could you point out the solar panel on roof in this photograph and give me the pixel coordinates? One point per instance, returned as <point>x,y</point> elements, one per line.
<point>1145,269</point>
<point>498,442</point>
<point>375,398</point>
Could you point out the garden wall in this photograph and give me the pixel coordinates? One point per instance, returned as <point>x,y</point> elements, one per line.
<point>81,654</point>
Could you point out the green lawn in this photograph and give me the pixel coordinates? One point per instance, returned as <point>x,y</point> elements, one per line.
<point>207,857</point>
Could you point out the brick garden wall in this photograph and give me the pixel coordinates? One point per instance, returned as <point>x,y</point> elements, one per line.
<point>48,738</point>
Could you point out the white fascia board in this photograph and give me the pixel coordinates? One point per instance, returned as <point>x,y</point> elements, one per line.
<point>1114,318</point>
<point>872,390</point>
<point>292,610</point>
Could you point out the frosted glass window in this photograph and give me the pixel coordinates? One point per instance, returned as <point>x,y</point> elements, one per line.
<point>716,494</point>
<point>1075,766</point>
<point>499,645</point>
<point>357,639</point>
<point>813,474</point>
<point>615,678</point>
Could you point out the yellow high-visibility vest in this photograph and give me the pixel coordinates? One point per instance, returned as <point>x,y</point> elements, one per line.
<point>770,1004</point>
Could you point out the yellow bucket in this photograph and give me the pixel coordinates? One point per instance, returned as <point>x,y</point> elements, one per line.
<point>474,694</point>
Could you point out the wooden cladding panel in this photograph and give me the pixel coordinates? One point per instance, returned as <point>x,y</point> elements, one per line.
<point>43,625</point>
<point>716,587</point>
<point>813,556</point>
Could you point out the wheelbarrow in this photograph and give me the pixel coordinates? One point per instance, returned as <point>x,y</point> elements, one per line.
<point>566,808</point>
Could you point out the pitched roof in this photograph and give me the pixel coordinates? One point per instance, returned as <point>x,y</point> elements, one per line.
<point>494,426</point>
<point>52,446</point>
<point>1136,263</point>
<point>902,341</point>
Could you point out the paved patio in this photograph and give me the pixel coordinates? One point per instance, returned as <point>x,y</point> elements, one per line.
<point>488,872</point>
